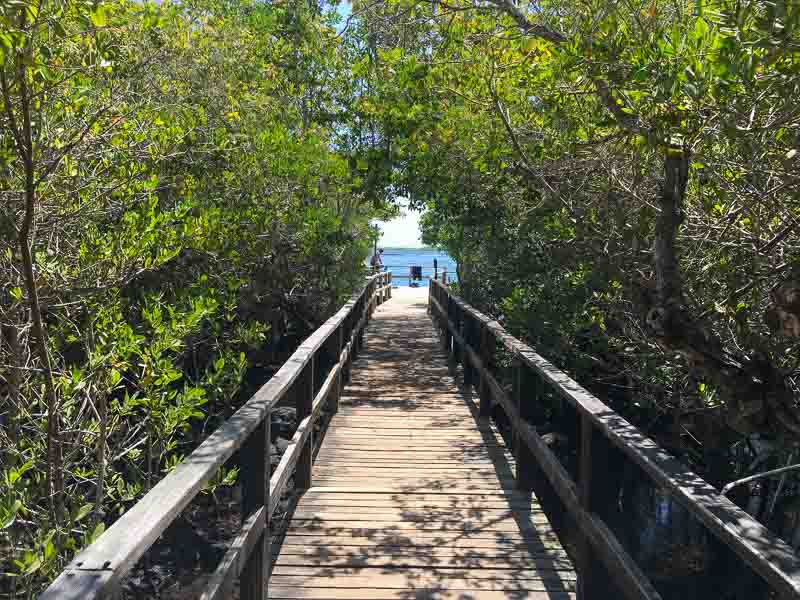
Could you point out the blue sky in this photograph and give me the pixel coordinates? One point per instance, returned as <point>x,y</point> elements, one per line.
<point>343,9</point>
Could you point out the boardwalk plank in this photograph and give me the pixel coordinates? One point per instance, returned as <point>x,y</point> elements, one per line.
<point>413,495</point>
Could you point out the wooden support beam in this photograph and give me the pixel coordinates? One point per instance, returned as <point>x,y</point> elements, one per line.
<point>594,490</point>
<point>254,470</point>
<point>304,398</point>
<point>485,407</point>
<point>234,563</point>
<point>524,396</point>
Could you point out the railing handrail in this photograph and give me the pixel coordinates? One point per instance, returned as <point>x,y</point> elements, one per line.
<point>431,268</point>
<point>98,569</point>
<point>769,556</point>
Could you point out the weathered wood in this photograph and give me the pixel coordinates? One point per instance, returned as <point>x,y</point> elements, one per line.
<point>445,572</point>
<point>341,353</point>
<point>483,355</point>
<point>304,398</point>
<point>409,489</point>
<point>526,461</point>
<point>404,472</point>
<point>233,564</point>
<point>294,451</point>
<point>116,551</point>
<point>255,467</point>
<point>593,491</point>
<point>466,336</point>
<point>475,584</point>
<point>359,593</point>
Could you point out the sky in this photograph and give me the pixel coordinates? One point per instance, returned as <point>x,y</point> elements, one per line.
<point>343,9</point>
<point>402,232</point>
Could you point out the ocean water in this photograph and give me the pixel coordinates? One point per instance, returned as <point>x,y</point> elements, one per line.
<point>398,261</point>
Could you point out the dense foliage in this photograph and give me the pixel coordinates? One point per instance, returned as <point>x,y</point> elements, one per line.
<point>183,195</point>
<point>618,182</point>
<point>186,186</point>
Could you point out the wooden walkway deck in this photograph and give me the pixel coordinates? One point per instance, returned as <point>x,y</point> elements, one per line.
<point>413,494</point>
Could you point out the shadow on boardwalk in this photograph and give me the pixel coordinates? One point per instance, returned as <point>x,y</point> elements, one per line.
<point>413,493</point>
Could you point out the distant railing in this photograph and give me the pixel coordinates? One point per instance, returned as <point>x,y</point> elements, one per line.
<point>428,272</point>
<point>606,445</point>
<point>313,376</point>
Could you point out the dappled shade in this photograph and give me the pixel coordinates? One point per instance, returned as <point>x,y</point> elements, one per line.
<point>413,494</point>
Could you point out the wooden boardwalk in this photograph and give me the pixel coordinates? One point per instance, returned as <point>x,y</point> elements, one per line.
<point>413,494</point>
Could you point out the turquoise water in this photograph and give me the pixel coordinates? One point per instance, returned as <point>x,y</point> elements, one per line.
<point>398,260</point>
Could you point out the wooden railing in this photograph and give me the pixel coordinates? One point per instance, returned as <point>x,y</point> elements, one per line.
<point>312,377</point>
<point>605,445</point>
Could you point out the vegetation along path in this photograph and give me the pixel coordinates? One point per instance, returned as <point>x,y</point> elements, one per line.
<point>413,493</point>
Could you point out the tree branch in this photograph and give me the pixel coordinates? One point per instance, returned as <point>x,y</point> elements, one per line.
<point>533,29</point>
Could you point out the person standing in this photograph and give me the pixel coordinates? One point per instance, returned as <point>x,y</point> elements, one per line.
<point>377,262</point>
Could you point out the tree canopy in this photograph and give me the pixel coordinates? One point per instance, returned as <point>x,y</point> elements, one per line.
<point>618,181</point>
<point>186,185</point>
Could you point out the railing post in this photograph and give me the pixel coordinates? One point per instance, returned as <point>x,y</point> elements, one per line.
<point>358,310</point>
<point>525,396</point>
<point>447,339</point>
<point>355,316</point>
<point>485,406</point>
<point>468,331</point>
<point>595,489</point>
<point>305,401</point>
<point>461,351</point>
<point>452,356</point>
<point>389,283</point>
<point>254,469</point>
<point>363,310</point>
<point>385,291</point>
<point>367,314</point>
<point>347,334</point>
<point>337,389</point>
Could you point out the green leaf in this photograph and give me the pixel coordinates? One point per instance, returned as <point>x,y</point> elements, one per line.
<point>99,17</point>
<point>97,532</point>
<point>33,566</point>
<point>700,28</point>
<point>82,512</point>
<point>49,550</point>
<point>15,474</point>
<point>9,515</point>
<point>32,8</point>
